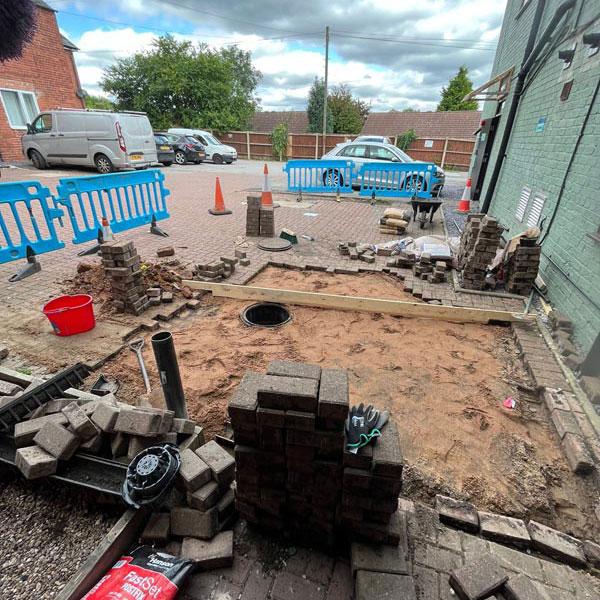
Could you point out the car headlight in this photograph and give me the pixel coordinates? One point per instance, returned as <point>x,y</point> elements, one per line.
<point>439,173</point>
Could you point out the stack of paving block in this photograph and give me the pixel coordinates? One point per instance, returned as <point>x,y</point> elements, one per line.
<point>438,275</point>
<point>372,482</point>
<point>394,221</point>
<point>423,267</point>
<point>289,433</point>
<point>479,244</point>
<point>216,270</point>
<point>122,265</point>
<point>523,265</point>
<point>406,259</point>
<point>260,220</point>
<point>356,251</point>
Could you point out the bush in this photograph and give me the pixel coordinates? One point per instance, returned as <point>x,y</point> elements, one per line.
<point>404,140</point>
<point>279,140</point>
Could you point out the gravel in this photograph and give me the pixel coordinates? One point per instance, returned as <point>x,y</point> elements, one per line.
<point>48,530</point>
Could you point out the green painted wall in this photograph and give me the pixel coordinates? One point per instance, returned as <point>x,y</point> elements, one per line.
<point>538,157</point>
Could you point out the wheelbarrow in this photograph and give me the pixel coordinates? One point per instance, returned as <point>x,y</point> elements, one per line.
<point>424,207</point>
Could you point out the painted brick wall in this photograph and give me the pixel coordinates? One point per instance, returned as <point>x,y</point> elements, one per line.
<point>47,69</point>
<point>570,257</point>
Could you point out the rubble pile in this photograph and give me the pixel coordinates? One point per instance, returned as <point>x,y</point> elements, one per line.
<point>121,264</point>
<point>290,475</point>
<point>478,245</point>
<point>356,251</point>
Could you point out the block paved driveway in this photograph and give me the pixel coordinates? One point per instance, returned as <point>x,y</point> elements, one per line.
<point>198,236</point>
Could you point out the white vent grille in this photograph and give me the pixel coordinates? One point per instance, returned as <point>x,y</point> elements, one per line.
<point>523,202</point>
<point>535,213</point>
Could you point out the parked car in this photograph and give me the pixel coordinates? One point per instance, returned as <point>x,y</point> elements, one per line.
<point>164,150</point>
<point>382,139</point>
<point>216,151</point>
<point>104,139</point>
<point>367,152</point>
<point>187,148</point>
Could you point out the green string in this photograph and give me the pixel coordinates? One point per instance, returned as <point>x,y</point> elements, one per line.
<point>365,439</point>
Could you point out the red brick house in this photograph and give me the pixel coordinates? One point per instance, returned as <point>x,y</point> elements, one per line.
<point>44,77</point>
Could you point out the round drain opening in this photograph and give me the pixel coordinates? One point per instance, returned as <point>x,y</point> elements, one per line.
<point>265,314</point>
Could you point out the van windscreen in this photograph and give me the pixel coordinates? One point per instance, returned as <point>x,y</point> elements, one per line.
<point>135,124</point>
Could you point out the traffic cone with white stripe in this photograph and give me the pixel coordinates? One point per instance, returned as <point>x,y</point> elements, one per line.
<point>464,206</point>
<point>219,208</point>
<point>266,198</point>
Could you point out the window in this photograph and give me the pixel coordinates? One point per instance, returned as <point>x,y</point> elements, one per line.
<point>566,91</point>
<point>523,203</point>
<point>359,151</point>
<point>379,153</point>
<point>43,124</point>
<point>20,107</point>
<point>535,213</point>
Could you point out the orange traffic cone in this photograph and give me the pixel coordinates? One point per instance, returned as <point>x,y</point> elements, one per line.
<point>219,208</point>
<point>266,198</point>
<point>464,206</point>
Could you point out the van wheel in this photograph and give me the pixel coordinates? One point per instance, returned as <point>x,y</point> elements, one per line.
<point>103,164</point>
<point>180,158</point>
<point>38,160</point>
<point>217,159</point>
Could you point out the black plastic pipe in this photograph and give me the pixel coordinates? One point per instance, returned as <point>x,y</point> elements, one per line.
<point>531,54</point>
<point>168,370</point>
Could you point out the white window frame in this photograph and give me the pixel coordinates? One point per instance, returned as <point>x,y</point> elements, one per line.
<point>536,209</point>
<point>20,94</point>
<point>523,204</point>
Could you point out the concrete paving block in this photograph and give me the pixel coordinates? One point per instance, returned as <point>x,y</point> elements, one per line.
<point>188,522</point>
<point>287,368</point>
<point>580,460</point>
<point>105,416</point>
<point>34,462</point>
<point>139,422</point>
<point>25,431</point>
<point>243,403</point>
<point>14,376</point>
<point>214,554</point>
<point>193,441</point>
<point>119,444</point>
<point>379,558</point>
<point>556,544</point>
<point>505,530</point>
<point>81,424</point>
<point>205,497</point>
<point>57,440</point>
<point>565,422</point>
<point>194,472</point>
<point>378,586</point>
<point>289,586</point>
<point>183,426</point>
<point>270,417</point>
<point>592,553</point>
<point>157,529</point>
<point>303,421</point>
<point>9,389</point>
<point>520,587</point>
<point>288,393</point>
<point>221,463</point>
<point>387,455</point>
<point>334,395</point>
<point>93,445</point>
<point>479,579</point>
<point>226,505</point>
<point>555,400</point>
<point>459,514</point>
<point>137,443</point>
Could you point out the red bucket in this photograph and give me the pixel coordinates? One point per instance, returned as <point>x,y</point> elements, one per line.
<point>69,315</point>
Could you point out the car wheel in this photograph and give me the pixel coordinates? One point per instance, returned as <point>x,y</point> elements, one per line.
<point>333,178</point>
<point>180,158</point>
<point>103,164</point>
<point>217,159</point>
<point>167,164</point>
<point>38,160</point>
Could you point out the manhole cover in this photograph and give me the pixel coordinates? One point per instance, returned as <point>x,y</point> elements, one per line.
<point>265,314</point>
<point>274,244</point>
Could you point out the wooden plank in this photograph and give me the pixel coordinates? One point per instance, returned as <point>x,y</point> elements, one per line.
<point>390,307</point>
<point>115,544</point>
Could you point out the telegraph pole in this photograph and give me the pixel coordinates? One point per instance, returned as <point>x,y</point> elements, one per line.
<point>325,86</point>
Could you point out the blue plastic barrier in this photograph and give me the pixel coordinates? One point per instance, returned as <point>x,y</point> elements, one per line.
<point>397,180</point>
<point>27,223</point>
<point>127,200</point>
<point>319,175</point>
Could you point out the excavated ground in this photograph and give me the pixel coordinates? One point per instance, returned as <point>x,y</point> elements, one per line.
<point>444,384</point>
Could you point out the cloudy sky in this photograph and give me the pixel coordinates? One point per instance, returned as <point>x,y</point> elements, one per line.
<point>392,53</point>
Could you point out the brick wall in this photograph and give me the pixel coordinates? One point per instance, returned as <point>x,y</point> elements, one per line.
<point>570,262</point>
<point>46,69</point>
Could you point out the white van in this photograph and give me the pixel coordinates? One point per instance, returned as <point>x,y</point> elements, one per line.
<point>216,151</point>
<point>104,139</point>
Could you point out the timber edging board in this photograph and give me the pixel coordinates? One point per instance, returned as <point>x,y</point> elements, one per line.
<point>391,307</point>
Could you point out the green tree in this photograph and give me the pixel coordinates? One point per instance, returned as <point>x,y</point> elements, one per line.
<point>410,109</point>
<point>279,140</point>
<point>186,85</point>
<point>405,139</point>
<point>316,100</point>
<point>458,87</point>
<point>97,102</point>
<point>349,113</point>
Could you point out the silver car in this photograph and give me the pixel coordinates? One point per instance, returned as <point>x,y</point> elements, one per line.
<point>362,151</point>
